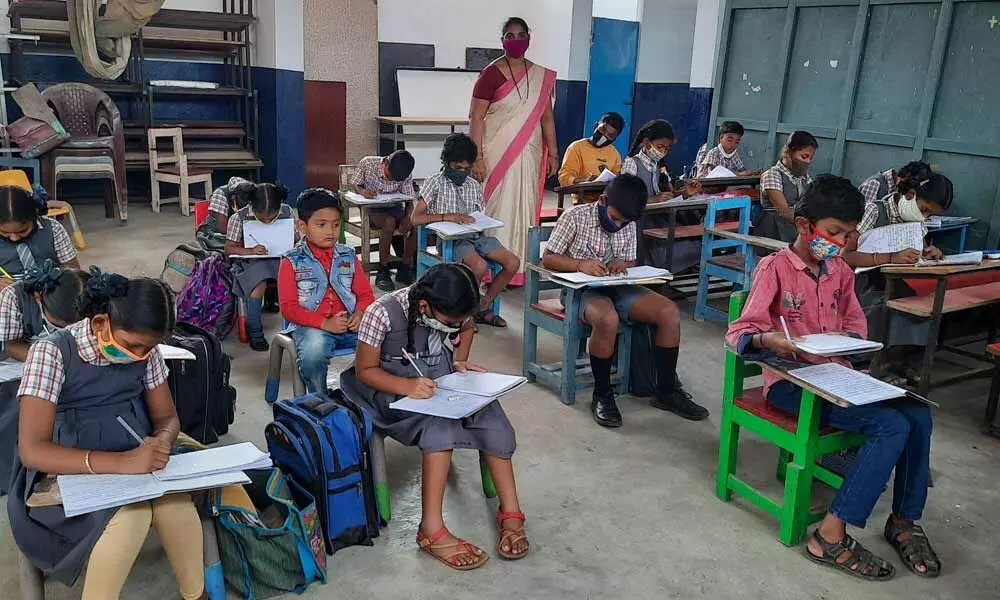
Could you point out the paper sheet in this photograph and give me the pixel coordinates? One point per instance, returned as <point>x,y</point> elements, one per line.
<point>82,494</point>
<point>482,223</point>
<point>720,172</point>
<point>843,382</point>
<point>480,384</point>
<point>893,238</point>
<point>378,199</point>
<point>224,459</point>
<point>966,258</point>
<point>11,370</point>
<point>829,344</point>
<point>174,353</point>
<point>606,176</point>
<point>444,403</point>
<point>634,274</point>
<point>277,236</point>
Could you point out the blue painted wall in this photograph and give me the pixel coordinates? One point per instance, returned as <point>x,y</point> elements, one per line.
<point>614,52</point>
<point>282,128</point>
<point>686,108</point>
<point>570,113</point>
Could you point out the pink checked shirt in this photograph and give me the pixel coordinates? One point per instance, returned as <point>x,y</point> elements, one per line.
<point>784,285</point>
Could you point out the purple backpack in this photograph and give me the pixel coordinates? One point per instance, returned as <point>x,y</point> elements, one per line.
<point>207,298</point>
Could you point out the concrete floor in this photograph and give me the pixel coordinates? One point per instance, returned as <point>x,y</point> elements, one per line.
<point>628,513</point>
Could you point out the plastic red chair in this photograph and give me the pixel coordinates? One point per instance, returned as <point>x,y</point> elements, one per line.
<point>200,213</point>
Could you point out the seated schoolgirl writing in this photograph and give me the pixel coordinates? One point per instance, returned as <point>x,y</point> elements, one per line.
<point>27,236</point>
<point>250,277</point>
<point>322,288</point>
<point>417,322</point>
<point>783,184</point>
<point>43,301</point>
<point>812,288</point>
<point>887,183</point>
<point>600,239</point>
<point>452,195</point>
<point>76,384</point>
<point>226,200</point>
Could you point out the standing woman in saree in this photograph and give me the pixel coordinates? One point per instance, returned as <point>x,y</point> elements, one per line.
<point>512,124</point>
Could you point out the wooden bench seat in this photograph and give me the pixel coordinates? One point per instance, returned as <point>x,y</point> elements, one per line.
<point>735,261</point>
<point>682,232</point>
<point>753,402</point>
<point>954,300</point>
<point>552,307</point>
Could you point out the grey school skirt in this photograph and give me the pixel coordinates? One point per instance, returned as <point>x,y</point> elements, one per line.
<point>248,273</point>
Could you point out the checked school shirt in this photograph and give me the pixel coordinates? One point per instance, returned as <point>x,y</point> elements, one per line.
<point>579,235</point>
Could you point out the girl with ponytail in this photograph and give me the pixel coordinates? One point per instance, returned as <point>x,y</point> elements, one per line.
<point>27,236</point>
<point>77,384</point>
<point>45,300</point>
<point>403,346</point>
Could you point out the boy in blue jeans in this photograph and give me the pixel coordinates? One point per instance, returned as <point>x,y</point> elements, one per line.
<point>812,287</point>
<point>322,288</point>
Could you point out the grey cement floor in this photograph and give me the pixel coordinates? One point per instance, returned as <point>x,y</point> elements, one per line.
<point>628,513</point>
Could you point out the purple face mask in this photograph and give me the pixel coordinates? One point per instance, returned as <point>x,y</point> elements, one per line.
<point>515,48</point>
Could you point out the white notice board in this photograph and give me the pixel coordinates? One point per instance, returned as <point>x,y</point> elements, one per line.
<point>433,93</point>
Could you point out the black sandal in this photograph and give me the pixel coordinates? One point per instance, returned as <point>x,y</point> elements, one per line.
<point>490,318</point>
<point>861,563</point>
<point>915,549</point>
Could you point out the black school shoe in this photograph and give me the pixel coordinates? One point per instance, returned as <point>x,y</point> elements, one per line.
<point>383,279</point>
<point>680,403</point>
<point>404,275</point>
<point>605,410</point>
<point>259,344</point>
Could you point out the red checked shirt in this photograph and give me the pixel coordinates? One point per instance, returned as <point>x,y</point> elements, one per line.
<point>783,285</point>
<point>44,373</point>
<point>288,292</point>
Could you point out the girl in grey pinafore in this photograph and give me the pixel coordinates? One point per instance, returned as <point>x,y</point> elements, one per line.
<point>768,223</point>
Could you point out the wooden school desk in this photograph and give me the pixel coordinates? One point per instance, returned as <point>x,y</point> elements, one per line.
<point>738,181</point>
<point>933,307</point>
<point>363,227</point>
<point>396,136</point>
<point>934,234</point>
<point>586,187</point>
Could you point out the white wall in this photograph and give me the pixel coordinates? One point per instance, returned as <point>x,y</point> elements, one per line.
<point>454,25</point>
<point>623,10</point>
<point>579,46</point>
<point>707,28</point>
<point>278,34</point>
<point>666,35</point>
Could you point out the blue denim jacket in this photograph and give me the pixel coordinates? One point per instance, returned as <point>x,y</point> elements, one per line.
<point>311,280</point>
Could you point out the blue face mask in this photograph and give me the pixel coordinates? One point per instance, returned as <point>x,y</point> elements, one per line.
<point>821,247</point>
<point>606,223</point>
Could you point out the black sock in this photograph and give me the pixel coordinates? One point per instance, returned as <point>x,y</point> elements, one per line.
<point>666,368</point>
<point>601,368</point>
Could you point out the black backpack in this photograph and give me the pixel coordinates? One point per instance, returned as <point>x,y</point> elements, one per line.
<point>642,368</point>
<point>206,403</point>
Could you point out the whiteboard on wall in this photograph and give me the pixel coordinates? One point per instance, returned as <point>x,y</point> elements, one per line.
<point>433,93</point>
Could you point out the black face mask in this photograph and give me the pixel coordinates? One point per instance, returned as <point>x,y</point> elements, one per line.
<point>599,140</point>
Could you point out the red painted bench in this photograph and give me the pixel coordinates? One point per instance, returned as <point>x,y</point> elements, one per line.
<point>954,300</point>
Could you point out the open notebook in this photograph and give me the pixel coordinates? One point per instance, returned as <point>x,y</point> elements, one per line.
<point>459,395</point>
<point>378,199</point>
<point>854,387</point>
<point>640,273</point>
<point>482,223</point>
<point>215,467</point>
<point>831,344</point>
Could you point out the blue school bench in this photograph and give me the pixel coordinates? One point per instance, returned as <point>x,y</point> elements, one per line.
<point>281,343</point>
<point>801,442</point>
<point>427,256</point>
<point>737,266</point>
<point>563,319</point>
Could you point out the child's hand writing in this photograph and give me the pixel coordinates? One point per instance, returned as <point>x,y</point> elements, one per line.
<point>932,253</point>
<point>367,193</point>
<point>461,219</point>
<point>421,388</point>
<point>354,321</point>
<point>335,324</point>
<point>594,268</point>
<point>777,342</point>
<point>905,257</point>
<point>617,267</point>
<point>151,455</point>
<point>463,366</point>
<point>259,249</point>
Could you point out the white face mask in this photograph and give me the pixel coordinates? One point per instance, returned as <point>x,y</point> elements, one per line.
<point>909,211</point>
<point>723,151</point>
<point>436,325</point>
<point>48,327</point>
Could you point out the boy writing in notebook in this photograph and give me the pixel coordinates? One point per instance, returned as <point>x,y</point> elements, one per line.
<point>811,288</point>
<point>600,239</point>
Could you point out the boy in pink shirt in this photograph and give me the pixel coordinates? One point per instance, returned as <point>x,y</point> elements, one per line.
<point>812,287</point>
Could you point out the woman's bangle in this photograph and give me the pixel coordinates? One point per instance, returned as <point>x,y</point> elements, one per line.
<point>86,462</point>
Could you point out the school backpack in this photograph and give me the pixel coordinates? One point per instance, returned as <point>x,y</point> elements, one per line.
<point>206,403</point>
<point>180,265</point>
<point>207,298</point>
<point>642,364</point>
<point>322,443</point>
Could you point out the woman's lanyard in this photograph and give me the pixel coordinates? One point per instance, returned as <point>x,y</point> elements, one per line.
<point>527,80</point>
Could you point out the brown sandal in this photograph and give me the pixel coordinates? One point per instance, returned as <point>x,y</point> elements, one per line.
<point>428,543</point>
<point>510,535</point>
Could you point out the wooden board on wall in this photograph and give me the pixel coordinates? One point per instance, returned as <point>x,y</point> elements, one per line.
<point>326,132</point>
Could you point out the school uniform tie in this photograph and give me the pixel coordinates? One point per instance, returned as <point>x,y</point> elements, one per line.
<point>27,258</point>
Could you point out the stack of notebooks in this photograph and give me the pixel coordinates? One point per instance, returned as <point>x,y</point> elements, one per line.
<point>459,395</point>
<point>204,469</point>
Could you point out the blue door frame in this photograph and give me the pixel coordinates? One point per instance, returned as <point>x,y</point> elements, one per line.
<point>614,51</point>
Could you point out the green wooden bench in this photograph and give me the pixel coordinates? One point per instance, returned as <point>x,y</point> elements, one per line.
<point>800,440</point>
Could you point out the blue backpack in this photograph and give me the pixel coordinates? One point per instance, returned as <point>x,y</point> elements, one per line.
<point>322,443</point>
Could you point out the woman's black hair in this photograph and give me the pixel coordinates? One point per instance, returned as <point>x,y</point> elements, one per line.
<point>267,198</point>
<point>912,175</point>
<point>515,21</point>
<point>936,189</point>
<point>141,304</point>
<point>800,140</point>
<point>449,288</point>
<point>731,127</point>
<point>830,196</point>
<point>58,288</point>
<point>459,147</point>
<point>656,129</point>
<point>314,199</point>
<point>18,204</point>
